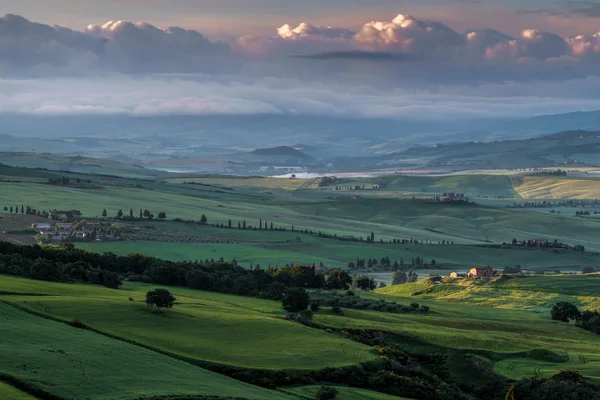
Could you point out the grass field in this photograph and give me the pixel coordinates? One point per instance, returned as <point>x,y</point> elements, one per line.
<point>11,393</point>
<point>345,393</point>
<point>224,329</point>
<point>544,188</point>
<point>76,364</point>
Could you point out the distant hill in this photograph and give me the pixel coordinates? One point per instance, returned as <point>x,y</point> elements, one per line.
<point>550,150</point>
<point>537,126</point>
<point>282,151</point>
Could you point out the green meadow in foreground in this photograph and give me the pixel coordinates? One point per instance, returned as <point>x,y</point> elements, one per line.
<point>11,393</point>
<point>224,329</point>
<point>77,364</point>
<point>513,340</point>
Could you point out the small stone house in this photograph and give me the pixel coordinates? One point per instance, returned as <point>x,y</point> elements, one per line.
<point>458,275</point>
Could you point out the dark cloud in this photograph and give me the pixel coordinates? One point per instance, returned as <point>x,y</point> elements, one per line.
<point>569,9</point>
<point>360,55</point>
<point>29,48</point>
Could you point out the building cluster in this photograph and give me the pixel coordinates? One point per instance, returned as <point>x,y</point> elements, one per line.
<point>480,272</point>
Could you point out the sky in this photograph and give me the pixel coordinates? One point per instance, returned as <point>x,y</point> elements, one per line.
<point>388,58</point>
<point>239,17</point>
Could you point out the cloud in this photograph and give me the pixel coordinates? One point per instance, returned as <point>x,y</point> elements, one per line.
<point>408,34</point>
<point>37,49</point>
<point>434,45</point>
<point>141,47</point>
<point>422,52</point>
<point>305,30</point>
<point>203,95</point>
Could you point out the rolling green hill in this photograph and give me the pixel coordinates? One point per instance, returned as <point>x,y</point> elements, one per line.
<point>74,363</point>
<point>223,329</point>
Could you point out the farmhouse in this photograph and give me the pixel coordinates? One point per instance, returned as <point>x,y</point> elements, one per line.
<point>41,226</point>
<point>458,275</point>
<point>58,214</point>
<point>483,272</point>
<point>68,227</point>
<point>540,241</point>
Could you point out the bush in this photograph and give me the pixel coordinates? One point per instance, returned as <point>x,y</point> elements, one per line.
<point>306,314</point>
<point>326,393</point>
<point>295,300</point>
<point>77,324</point>
<point>315,306</point>
<point>414,306</point>
<point>588,270</point>
<point>564,311</point>
<point>349,293</point>
<point>337,310</point>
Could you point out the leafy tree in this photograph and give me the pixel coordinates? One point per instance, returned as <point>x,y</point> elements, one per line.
<point>564,311</point>
<point>512,270</point>
<point>412,276</point>
<point>338,279</point>
<point>203,220</point>
<point>160,298</point>
<point>365,283</point>
<point>111,280</point>
<point>295,300</point>
<point>326,393</point>
<point>399,278</point>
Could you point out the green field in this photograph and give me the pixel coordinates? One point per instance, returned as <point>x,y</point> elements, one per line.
<point>223,329</point>
<point>514,335</point>
<point>75,364</point>
<point>345,393</point>
<point>11,393</point>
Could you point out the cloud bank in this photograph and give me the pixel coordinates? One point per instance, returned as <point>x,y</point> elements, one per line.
<point>140,48</point>
<point>205,96</point>
<point>401,68</point>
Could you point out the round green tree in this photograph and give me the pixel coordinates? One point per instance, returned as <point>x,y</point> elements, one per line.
<point>160,298</point>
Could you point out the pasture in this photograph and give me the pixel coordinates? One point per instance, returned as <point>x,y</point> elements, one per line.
<point>75,364</point>
<point>206,326</point>
<point>11,393</point>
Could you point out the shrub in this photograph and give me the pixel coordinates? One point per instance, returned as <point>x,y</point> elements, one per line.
<point>564,311</point>
<point>349,293</point>
<point>326,393</point>
<point>295,300</point>
<point>77,324</point>
<point>414,306</point>
<point>131,299</point>
<point>337,310</point>
<point>315,306</point>
<point>588,270</point>
<point>306,314</point>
